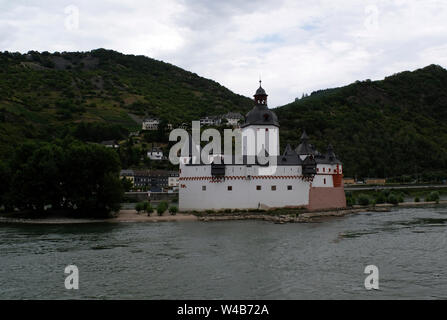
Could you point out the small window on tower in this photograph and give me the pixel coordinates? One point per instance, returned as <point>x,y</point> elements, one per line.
<point>273,188</point>
<point>289,187</point>
<point>324,180</point>
<point>203,188</point>
<point>258,187</point>
<point>230,188</point>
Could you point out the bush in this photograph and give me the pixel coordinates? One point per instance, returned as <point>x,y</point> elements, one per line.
<point>139,207</point>
<point>148,208</point>
<point>349,202</point>
<point>173,210</point>
<point>393,199</point>
<point>433,196</point>
<point>381,197</point>
<point>363,200</point>
<point>162,207</point>
<point>416,199</point>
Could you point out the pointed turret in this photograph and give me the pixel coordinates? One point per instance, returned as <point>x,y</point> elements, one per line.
<point>304,147</point>
<point>330,153</point>
<point>289,152</point>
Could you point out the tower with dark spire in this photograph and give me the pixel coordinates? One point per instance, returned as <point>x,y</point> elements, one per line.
<point>261,127</point>
<point>260,114</point>
<point>260,95</point>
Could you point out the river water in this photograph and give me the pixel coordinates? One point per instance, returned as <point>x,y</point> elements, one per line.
<point>232,259</point>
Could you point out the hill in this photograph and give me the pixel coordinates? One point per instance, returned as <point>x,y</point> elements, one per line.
<point>396,127</point>
<point>389,128</point>
<point>43,95</point>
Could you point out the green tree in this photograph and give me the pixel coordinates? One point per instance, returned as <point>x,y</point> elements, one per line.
<point>139,207</point>
<point>126,184</point>
<point>173,210</point>
<point>37,179</point>
<point>92,179</point>
<point>162,207</point>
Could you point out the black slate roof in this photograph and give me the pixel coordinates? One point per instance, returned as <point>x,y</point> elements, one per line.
<point>260,91</point>
<point>261,115</point>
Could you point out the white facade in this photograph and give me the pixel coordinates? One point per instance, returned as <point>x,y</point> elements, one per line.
<point>233,121</point>
<point>300,178</point>
<point>210,121</point>
<point>244,188</point>
<point>150,124</point>
<point>173,182</point>
<point>233,118</point>
<point>258,137</point>
<point>155,154</point>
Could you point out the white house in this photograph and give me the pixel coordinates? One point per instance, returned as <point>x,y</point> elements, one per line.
<point>302,177</point>
<point>110,144</point>
<point>173,181</point>
<point>155,154</point>
<point>233,118</point>
<point>210,121</point>
<point>150,124</point>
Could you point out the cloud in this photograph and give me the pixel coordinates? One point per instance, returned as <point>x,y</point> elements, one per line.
<point>295,46</point>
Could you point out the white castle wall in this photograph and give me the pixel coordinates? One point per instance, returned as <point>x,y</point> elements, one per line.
<point>260,136</point>
<point>323,178</point>
<point>244,193</point>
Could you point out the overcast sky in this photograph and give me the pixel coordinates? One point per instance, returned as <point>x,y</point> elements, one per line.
<point>295,46</point>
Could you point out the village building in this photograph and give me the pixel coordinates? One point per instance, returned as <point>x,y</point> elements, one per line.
<point>110,144</point>
<point>150,124</point>
<point>155,154</point>
<point>129,175</point>
<point>376,181</point>
<point>153,180</point>
<point>348,181</point>
<point>210,121</point>
<point>300,177</point>
<point>173,179</point>
<point>233,118</point>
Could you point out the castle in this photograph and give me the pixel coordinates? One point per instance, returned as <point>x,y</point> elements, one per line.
<point>301,177</point>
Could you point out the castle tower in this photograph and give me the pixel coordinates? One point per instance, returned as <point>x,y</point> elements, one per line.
<point>261,128</point>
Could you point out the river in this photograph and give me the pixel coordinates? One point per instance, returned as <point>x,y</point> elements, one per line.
<point>231,259</point>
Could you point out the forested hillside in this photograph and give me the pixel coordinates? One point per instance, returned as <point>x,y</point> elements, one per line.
<point>389,128</point>
<point>43,95</point>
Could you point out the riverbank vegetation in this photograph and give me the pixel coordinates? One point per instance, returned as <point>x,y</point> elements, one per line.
<point>67,176</point>
<point>396,196</point>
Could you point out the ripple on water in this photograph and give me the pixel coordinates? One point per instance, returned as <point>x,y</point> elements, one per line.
<point>233,259</point>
